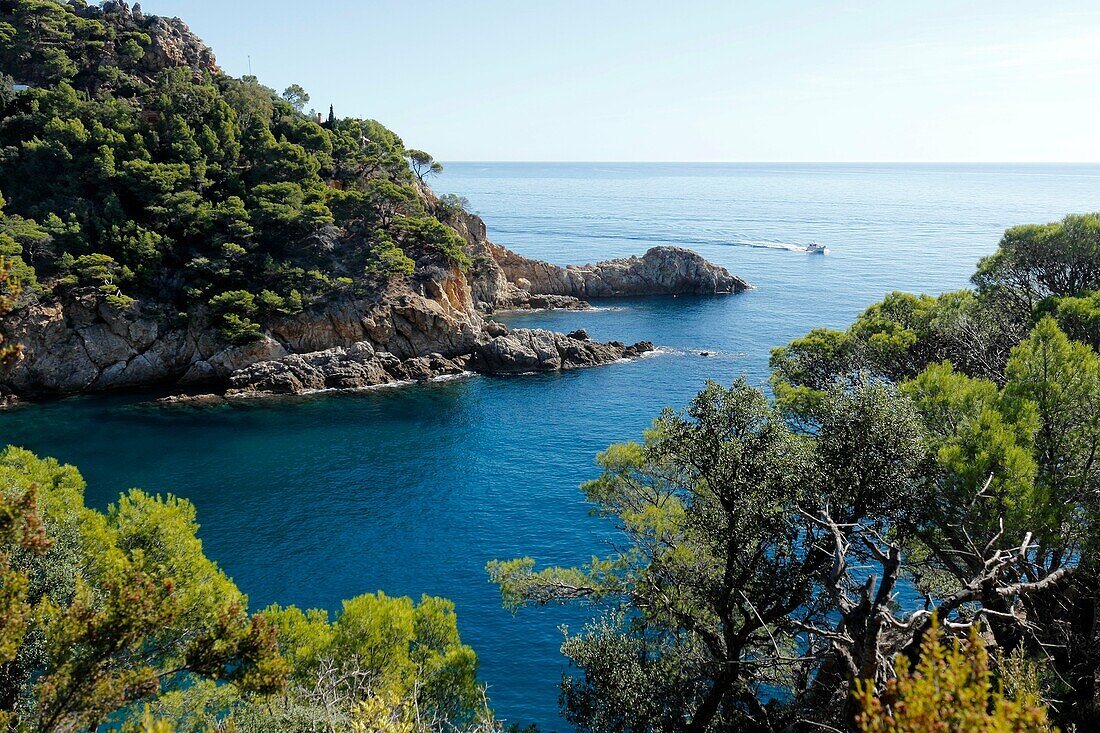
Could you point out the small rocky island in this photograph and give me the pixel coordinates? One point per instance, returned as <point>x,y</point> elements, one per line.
<point>231,240</point>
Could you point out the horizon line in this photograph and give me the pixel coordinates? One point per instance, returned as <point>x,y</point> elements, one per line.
<point>786,162</point>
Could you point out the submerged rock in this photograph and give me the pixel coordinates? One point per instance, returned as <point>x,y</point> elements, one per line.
<point>192,400</point>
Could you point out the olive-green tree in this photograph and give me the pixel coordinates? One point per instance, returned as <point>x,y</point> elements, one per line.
<point>296,96</point>
<point>726,558</point>
<point>423,164</point>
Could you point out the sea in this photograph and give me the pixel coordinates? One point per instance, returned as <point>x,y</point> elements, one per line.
<point>413,490</point>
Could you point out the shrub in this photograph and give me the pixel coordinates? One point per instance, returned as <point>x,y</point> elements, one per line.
<point>386,259</point>
<point>950,690</point>
<point>432,236</point>
<point>233,311</point>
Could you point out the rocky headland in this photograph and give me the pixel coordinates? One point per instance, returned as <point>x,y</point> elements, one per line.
<point>660,271</point>
<point>431,325</point>
<point>236,243</point>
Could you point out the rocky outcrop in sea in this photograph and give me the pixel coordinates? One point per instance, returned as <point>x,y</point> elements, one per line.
<point>525,350</point>
<point>660,271</point>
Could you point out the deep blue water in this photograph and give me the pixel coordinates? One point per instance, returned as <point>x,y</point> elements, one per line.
<point>413,490</point>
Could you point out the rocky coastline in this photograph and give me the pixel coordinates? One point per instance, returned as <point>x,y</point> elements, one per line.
<point>660,271</point>
<point>360,366</point>
<point>427,317</point>
<point>435,323</point>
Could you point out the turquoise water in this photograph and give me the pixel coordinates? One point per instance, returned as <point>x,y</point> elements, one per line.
<point>413,490</point>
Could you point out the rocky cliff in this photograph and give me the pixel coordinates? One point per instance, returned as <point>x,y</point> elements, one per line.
<point>86,344</point>
<point>169,43</point>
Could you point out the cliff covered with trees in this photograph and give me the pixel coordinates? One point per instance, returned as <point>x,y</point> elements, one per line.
<point>173,224</point>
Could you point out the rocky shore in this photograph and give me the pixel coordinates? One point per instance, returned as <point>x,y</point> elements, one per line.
<point>418,308</point>
<point>429,325</point>
<point>361,366</point>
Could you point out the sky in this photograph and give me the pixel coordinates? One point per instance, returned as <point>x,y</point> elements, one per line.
<point>685,80</point>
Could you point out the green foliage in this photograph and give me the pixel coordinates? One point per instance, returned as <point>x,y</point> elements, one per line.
<point>22,241</point>
<point>631,682</point>
<point>377,650</point>
<point>423,164</point>
<point>983,442</point>
<point>1079,317</point>
<point>1041,260</point>
<point>233,311</point>
<point>296,96</point>
<point>10,290</point>
<point>124,605</point>
<point>191,182</point>
<point>896,339</point>
<point>1059,380</point>
<point>451,205</point>
<point>21,532</point>
<point>430,238</point>
<point>951,689</point>
<point>387,260</point>
<point>120,617</point>
<point>95,270</point>
<point>717,506</point>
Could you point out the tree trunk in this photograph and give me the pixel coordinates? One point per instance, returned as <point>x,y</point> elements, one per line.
<point>706,711</point>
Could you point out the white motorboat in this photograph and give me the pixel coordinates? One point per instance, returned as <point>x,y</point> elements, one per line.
<point>814,248</point>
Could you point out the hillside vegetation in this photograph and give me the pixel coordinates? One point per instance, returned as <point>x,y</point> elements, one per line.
<point>130,164</point>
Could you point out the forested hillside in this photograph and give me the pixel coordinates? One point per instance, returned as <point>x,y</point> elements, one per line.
<point>129,163</point>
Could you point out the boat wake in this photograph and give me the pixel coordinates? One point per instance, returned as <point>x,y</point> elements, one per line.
<point>769,244</point>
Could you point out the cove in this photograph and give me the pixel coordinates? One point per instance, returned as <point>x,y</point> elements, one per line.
<point>412,490</point>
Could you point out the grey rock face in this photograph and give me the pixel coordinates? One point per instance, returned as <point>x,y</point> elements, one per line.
<point>537,350</point>
<point>173,45</point>
<point>660,271</point>
<point>355,367</point>
<point>82,344</point>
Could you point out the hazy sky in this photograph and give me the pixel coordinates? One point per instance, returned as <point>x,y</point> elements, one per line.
<point>925,80</point>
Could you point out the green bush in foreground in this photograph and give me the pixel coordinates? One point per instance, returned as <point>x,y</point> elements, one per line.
<point>951,689</point>
<point>109,617</point>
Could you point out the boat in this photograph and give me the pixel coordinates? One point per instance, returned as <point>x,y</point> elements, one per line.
<point>814,248</point>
